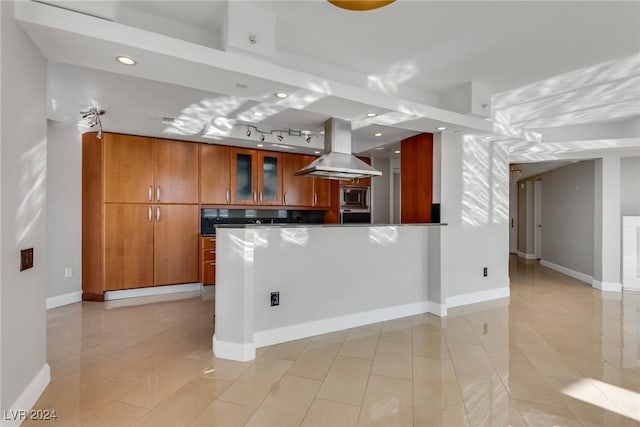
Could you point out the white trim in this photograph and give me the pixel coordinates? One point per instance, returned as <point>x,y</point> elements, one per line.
<point>233,351</point>
<point>318,327</point>
<point>437,309</point>
<point>29,396</point>
<point>526,255</point>
<point>153,290</point>
<point>475,297</point>
<point>569,272</point>
<point>64,299</point>
<point>607,286</point>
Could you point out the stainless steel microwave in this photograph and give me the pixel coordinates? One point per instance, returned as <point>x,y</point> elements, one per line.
<point>354,198</point>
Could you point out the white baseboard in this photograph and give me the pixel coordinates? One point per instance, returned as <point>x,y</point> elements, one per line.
<point>64,299</point>
<point>153,290</point>
<point>475,297</point>
<point>233,351</point>
<point>526,255</point>
<point>437,309</point>
<point>607,286</point>
<point>569,272</point>
<point>324,326</point>
<point>27,398</point>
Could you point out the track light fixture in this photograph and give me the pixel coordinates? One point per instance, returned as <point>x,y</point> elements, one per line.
<point>92,116</point>
<point>281,134</point>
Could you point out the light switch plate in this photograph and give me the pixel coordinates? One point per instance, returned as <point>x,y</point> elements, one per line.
<point>26,259</point>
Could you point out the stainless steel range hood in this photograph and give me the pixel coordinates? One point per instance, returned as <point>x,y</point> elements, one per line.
<point>338,162</point>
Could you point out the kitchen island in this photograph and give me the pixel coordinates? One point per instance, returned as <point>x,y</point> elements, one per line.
<point>327,278</point>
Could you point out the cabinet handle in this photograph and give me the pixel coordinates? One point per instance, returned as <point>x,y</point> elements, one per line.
<point>150,216</point>
<point>158,214</point>
<point>158,193</point>
<point>150,193</point>
<point>254,196</point>
<point>315,199</point>
<point>212,264</point>
<point>261,197</point>
<point>212,252</point>
<point>226,196</point>
<point>212,240</point>
<point>285,198</point>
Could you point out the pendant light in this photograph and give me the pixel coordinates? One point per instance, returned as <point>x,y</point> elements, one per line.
<point>360,5</point>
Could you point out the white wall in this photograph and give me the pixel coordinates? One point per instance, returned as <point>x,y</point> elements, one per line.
<point>568,216</point>
<point>475,205</point>
<point>630,186</point>
<point>329,278</point>
<point>381,189</point>
<point>64,210</point>
<point>23,224</point>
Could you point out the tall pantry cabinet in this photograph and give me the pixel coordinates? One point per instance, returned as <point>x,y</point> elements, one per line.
<point>140,213</point>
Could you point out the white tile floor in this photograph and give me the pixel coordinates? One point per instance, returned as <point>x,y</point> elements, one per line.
<point>558,353</point>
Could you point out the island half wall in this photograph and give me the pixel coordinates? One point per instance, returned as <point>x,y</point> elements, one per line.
<point>328,278</point>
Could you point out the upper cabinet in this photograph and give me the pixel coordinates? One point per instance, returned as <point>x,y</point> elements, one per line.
<point>215,188</point>
<point>303,191</point>
<point>256,177</point>
<point>128,168</point>
<point>143,170</point>
<point>176,172</point>
<point>297,190</point>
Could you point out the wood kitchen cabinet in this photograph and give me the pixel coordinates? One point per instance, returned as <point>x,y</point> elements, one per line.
<point>128,246</point>
<point>208,260</point>
<point>300,190</point>
<point>297,190</point>
<point>256,177</point>
<point>176,244</point>
<point>137,228</point>
<point>416,193</point>
<point>143,170</point>
<point>215,176</point>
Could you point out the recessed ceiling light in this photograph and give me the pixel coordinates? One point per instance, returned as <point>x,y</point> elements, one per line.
<point>379,148</point>
<point>241,86</point>
<point>316,152</point>
<point>259,145</point>
<point>125,60</point>
<point>488,119</point>
<point>258,114</point>
<point>397,151</point>
<point>282,95</point>
<point>441,128</point>
<point>377,134</point>
<point>371,114</point>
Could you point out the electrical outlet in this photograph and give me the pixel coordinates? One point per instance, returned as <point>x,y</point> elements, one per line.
<point>275,298</point>
<point>485,272</point>
<point>68,272</point>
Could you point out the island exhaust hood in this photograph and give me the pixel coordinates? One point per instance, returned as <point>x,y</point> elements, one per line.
<point>338,162</point>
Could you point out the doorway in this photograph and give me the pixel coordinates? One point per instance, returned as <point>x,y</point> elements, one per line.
<point>537,218</point>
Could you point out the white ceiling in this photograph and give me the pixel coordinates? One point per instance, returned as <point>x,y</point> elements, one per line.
<point>396,61</point>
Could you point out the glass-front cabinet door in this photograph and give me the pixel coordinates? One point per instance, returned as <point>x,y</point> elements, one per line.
<point>269,178</point>
<point>243,177</point>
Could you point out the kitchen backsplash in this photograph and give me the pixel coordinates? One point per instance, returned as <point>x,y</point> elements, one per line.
<point>209,217</point>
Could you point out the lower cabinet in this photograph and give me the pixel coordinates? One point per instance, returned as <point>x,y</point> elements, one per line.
<point>176,244</point>
<point>208,260</point>
<point>150,245</point>
<point>128,246</point>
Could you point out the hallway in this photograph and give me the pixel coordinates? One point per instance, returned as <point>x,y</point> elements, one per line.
<point>558,353</point>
